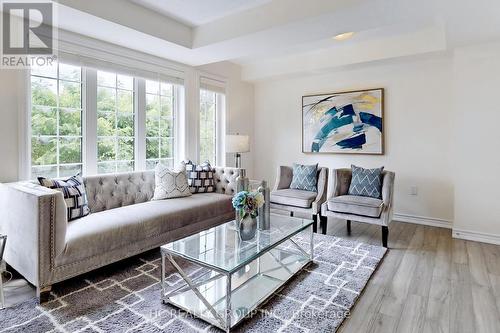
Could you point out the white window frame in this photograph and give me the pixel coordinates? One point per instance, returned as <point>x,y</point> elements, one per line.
<point>89,122</point>
<point>135,112</point>
<point>25,132</point>
<point>220,131</point>
<point>220,127</point>
<point>178,96</point>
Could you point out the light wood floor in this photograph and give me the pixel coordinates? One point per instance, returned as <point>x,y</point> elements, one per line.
<point>427,282</point>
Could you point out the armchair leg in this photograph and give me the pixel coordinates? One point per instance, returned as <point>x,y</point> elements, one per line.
<point>323,222</point>
<point>315,225</point>
<point>385,235</point>
<point>291,214</point>
<point>348,227</point>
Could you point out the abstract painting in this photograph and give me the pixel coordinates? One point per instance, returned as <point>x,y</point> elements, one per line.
<point>346,122</point>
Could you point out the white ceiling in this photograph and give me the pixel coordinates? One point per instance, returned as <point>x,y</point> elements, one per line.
<point>198,12</point>
<point>275,37</point>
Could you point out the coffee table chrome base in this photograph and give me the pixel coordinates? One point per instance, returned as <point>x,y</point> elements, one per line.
<point>224,299</point>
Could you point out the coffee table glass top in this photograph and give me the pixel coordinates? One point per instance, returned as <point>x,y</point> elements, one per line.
<point>220,248</point>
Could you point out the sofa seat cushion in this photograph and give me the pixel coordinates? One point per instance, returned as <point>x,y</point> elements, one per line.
<point>293,197</point>
<point>117,228</point>
<point>352,204</point>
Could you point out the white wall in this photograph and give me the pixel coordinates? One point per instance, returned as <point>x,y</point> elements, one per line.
<point>417,128</point>
<point>9,111</point>
<point>441,133</point>
<point>477,143</point>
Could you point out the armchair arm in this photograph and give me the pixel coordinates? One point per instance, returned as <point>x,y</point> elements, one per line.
<point>387,197</point>
<point>34,219</point>
<point>283,178</point>
<point>388,188</point>
<point>322,188</point>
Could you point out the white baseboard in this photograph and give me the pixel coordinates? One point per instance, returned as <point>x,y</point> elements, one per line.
<point>476,236</point>
<point>430,221</point>
<point>442,223</point>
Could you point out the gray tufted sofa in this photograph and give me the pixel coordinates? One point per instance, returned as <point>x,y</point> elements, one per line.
<point>46,249</point>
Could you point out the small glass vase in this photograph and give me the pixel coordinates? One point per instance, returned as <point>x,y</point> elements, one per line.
<point>248,227</point>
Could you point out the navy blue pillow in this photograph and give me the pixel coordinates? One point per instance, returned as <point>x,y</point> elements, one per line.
<point>305,177</point>
<point>366,182</point>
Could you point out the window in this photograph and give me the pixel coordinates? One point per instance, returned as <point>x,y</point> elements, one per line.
<point>159,123</point>
<point>115,123</point>
<point>208,126</point>
<point>93,121</point>
<point>56,121</point>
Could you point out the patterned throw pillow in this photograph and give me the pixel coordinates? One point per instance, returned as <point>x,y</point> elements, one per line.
<point>305,177</point>
<point>200,177</point>
<point>75,197</point>
<point>366,182</point>
<point>170,183</point>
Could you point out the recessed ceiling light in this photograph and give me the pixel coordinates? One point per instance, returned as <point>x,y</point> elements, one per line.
<point>344,36</point>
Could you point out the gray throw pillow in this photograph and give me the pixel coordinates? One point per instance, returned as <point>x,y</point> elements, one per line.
<point>305,177</point>
<point>366,182</point>
<point>170,183</point>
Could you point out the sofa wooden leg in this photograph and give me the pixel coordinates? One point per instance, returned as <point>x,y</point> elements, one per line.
<point>385,235</point>
<point>324,221</point>
<point>315,225</point>
<point>44,294</point>
<point>291,214</point>
<point>348,227</point>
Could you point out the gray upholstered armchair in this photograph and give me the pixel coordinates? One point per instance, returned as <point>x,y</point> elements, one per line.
<point>360,209</point>
<point>292,200</point>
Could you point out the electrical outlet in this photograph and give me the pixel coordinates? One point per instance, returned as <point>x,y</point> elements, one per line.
<point>413,190</point>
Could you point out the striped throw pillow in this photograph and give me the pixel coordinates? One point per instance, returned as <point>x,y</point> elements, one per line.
<point>75,197</point>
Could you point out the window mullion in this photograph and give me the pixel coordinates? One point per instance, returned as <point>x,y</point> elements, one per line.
<point>175,137</point>
<point>90,118</point>
<point>140,123</point>
<point>58,111</point>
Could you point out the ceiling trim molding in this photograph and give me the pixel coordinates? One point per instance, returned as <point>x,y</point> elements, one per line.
<point>77,44</point>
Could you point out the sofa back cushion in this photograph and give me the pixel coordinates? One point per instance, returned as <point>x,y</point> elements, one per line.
<point>117,190</point>
<point>225,180</point>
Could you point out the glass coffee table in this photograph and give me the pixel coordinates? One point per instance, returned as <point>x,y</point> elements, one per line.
<point>234,277</point>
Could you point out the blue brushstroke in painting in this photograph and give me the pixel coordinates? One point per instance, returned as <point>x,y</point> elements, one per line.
<point>358,128</point>
<point>348,110</point>
<point>355,142</point>
<point>338,118</point>
<point>341,117</point>
<point>371,119</point>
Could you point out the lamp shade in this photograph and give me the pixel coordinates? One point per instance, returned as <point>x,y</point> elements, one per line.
<point>237,143</point>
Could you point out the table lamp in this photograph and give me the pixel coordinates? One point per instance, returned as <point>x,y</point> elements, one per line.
<point>237,144</point>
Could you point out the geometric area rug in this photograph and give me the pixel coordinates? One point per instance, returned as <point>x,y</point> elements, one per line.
<point>125,297</point>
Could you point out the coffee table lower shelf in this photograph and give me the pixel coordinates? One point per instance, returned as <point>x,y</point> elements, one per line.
<point>250,287</point>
